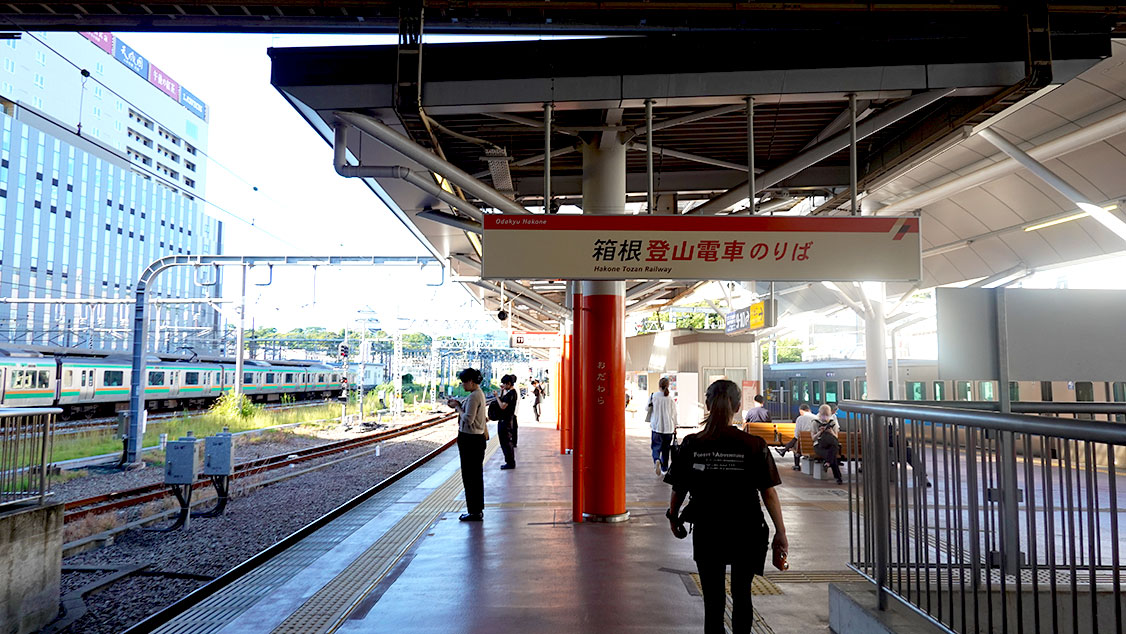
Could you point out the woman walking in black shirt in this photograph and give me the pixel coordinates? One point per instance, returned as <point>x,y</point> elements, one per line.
<point>726,470</point>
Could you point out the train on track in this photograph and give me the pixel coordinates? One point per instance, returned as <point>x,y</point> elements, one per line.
<point>88,383</point>
<point>788,385</point>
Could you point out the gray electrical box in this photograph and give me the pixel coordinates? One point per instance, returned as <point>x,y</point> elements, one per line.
<point>181,462</point>
<point>219,455</point>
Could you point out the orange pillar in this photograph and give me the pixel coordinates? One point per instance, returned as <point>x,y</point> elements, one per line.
<point>578,415</point>
<point>602,441</point>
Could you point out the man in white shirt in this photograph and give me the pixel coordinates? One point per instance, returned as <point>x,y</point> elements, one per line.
<point>805,421</point>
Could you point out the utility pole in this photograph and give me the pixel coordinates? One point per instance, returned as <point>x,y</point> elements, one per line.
<point>240,338</point>
<point>363,365</point>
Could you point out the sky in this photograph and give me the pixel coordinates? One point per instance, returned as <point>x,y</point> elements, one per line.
<point>271,169</point>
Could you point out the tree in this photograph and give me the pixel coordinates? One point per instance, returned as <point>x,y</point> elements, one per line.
<point>789,350</point>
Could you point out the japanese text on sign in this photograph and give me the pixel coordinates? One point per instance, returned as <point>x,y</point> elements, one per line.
<point>698,248</point>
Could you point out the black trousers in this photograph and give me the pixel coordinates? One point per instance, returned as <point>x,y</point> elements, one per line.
<point>536,408</point>
<point>471,450</point>
<point>506,435</point>
<point>712,577</point>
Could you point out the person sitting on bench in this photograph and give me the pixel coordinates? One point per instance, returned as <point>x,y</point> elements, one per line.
<point>805,421</point>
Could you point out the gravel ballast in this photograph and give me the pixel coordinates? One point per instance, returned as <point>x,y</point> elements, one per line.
<point>252,523</point>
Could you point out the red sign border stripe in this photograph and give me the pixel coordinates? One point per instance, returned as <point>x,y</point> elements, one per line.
<point>580,222</point>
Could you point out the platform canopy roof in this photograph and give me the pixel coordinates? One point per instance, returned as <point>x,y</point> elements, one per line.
<point>530,16</point>
<point>921,95</point>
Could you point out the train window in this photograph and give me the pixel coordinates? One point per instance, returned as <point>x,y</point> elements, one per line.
<point>68,378</point>
<point>82,379</point>
<point>846,390</point>
<point>320,378</point>
<point>916,391</point>
<point>44,379</point>
<point>156,378</point>
<point>831,392</point>
<point>987,390</point>
<point>805,391</point>
<point>863,390</point>
<point>1014,391</point>
<point>817,392</point>
<point>939,391</point>
<point>1118,393</point>
<point>113,378</point>
<point>963,390</point>
<point>1045,390</point>
<point>270,378</point>
<point>191,378</point>
<point>289,377</point>
<point>247,378</point>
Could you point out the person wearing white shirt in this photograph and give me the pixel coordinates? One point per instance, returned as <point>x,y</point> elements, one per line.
<point>662,420</point>
<point>806,421</point>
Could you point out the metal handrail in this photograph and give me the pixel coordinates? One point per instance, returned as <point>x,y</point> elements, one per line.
<point>957,507</point>
<point>26,435</point>
<point>1073,429</point>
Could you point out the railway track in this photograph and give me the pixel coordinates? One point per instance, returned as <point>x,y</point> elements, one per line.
<point>99,504</point>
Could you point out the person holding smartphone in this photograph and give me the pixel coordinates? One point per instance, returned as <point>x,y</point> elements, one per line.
<point>472,435</point>
<point>726,470</point>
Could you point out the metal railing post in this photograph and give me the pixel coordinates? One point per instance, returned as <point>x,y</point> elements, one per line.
<point>882,504</point>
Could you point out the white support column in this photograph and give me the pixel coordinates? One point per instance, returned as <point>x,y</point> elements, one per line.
<point>875,335</point>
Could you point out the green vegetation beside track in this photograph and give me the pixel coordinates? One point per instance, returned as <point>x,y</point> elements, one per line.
<point>225,413</point>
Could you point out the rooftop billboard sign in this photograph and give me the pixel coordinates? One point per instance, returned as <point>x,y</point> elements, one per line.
<point>137,63</point>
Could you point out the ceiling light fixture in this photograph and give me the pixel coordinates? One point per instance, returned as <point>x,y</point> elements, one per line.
<point>1083,214</point>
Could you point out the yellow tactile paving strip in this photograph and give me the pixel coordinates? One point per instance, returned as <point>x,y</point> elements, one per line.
<point>326,610</point>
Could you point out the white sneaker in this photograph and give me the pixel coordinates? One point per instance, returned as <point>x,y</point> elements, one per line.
<point>657,467</point>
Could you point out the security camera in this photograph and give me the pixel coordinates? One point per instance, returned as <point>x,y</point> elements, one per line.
<point>502,314</point>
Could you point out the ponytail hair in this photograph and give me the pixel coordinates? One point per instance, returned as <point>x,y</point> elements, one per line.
<point>664,385</point>
<point>723,400</point>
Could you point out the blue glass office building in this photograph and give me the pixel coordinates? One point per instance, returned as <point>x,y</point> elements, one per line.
<point>92,192</point>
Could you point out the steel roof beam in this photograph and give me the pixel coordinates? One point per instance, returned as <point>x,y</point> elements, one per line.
<point>823,150</point>
<point>696,158</point>
<point>1070,142</point>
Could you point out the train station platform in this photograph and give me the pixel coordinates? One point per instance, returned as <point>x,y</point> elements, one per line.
<point>402,562</point>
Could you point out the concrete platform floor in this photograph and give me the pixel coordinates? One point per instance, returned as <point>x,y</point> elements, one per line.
<point>527,568</point>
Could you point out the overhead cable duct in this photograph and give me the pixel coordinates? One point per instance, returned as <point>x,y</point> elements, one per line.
<point>408,148</point>
<point>422,181</point>
<point>823,150</point>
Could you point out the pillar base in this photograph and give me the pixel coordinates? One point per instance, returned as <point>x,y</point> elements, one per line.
<point>606,519</point>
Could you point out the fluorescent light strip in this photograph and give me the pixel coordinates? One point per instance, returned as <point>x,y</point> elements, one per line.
<point>1082,214</point>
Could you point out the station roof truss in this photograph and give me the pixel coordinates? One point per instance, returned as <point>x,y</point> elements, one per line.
<point>924,91</point>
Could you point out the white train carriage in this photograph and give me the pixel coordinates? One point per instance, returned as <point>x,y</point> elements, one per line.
<point>27,379</point>
<point>89,384</point>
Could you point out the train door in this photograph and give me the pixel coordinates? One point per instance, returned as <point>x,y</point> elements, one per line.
<point>86,385</point>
